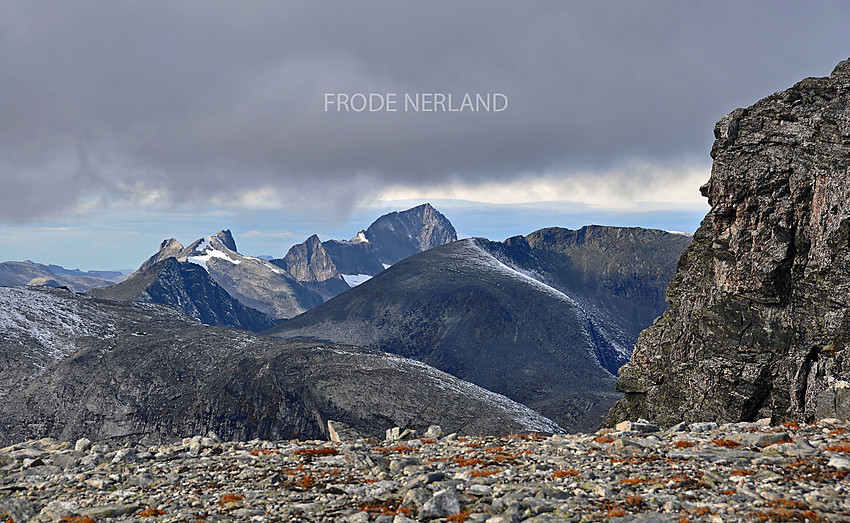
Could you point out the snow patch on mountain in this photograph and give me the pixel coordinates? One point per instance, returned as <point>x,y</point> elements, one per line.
<point>209,254</point>
<point>353,280</point>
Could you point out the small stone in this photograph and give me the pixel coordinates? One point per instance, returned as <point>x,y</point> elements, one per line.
<point>66,461</point>
<point>124,455</point>
<point>360,517</point>
<point>16,509</point>
<point>110,510</point>
<point>32,462</point>
<point>839,462</point>
<point>702,426</point>
<point>682,426</point>
<point>433,432</point>
<point>479,490</point>
<point>443,504</point>
<point>644,426</point>
<point>603,492</point>
<point>57,510</point>
<point>392,434</point>
<point>82,445</point>
<point>503,518</point>
<point>339,432</point>
<point>761,439</point>
<point>399,518</point>
<point>624,426</point>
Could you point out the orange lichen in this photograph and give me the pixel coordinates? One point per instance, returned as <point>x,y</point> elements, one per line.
<point>316,452</point>
<point>230,498</point>
<point>257,452</point>
<point>306,482</point>
<point>634,501</point>
<point>463,515</point>
<point>485,473</point>
<point>683,444</point>
<point>76,519</point>
<point>839,448</point>
<point>634,481</point>
<point>151,513</point>
<point>564,473</point>
<point>604,439</point>
<point>740,472</point>
<point>787,503</point>
<point>466,462</point>
<point>390,507</point>
<point>728,443</point>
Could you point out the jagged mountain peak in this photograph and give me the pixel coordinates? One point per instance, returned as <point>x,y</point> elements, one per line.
<point>170,244</point>
<point>400,234</point>
<point>226,238</point>
<point>169,248</point>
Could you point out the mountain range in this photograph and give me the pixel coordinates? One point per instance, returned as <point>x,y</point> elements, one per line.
<point>258,292</point>
<point>545,319</point>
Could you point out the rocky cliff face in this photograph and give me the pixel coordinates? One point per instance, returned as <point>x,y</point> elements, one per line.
<point>758,322</point>
<point>74,366</point>
<point>397,235</point>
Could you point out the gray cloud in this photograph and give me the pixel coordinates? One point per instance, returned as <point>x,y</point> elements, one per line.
<point>205,99</point>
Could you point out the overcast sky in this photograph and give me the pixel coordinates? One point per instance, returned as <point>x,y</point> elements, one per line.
<point>157,119</point>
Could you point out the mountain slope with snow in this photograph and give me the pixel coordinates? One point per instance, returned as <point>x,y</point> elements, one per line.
<point>254,282</point>
<point>539,319</point>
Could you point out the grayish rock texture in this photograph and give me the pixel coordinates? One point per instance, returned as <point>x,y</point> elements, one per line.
<point>758,324</point>
<point>73,366</point>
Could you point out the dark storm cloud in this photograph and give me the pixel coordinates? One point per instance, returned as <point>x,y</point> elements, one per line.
<point>203,99</point>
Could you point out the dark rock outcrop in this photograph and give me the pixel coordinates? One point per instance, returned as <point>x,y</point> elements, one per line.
<point>188,288</point>
<point>538,319</point>
<point>397,235</point>
<point>758,322</point>
<point>74,366</point>
<point>313,266</point>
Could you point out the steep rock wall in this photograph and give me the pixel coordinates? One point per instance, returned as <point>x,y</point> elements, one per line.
<point>757,324</point>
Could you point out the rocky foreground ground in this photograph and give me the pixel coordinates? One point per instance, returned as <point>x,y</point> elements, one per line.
<point>739,472</point>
